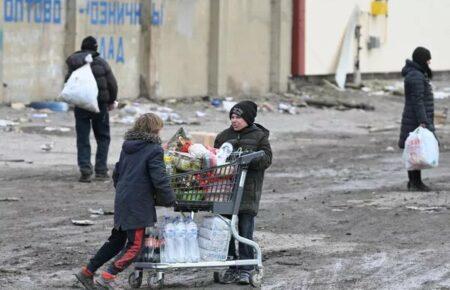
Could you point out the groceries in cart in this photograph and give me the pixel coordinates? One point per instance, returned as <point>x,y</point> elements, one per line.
<point>179,240</point>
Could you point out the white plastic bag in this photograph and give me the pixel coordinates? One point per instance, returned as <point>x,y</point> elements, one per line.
<point>421,150</point>
<point>81,88</point>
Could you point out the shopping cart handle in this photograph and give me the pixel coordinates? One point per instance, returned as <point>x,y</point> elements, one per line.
<point>247,158</point>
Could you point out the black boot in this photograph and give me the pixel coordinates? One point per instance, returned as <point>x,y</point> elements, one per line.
<point>420,184</point>
<point>85,177</point>
<point>415,181</point>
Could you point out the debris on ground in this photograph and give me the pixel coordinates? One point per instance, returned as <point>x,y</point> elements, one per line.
<point>390,149</point>
<point>200,114</point>
<point>330,103</point>
<point>47,147</point>
<point>39,116</point>
<point>100,211</point>
<point>8,199</point>
<point>429,209</point>
<point>57,129</point>
<point>18,106</point>
<point>382,129</point>
<point>228,105</point>
<point>82,223</point>
<point>287,108</point>
<point>53,106</point>
<point>440,95</point>
<point>440,118</point>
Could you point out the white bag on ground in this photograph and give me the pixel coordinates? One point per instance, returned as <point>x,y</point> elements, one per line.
<point>81,88</point>
<point>421,150</point>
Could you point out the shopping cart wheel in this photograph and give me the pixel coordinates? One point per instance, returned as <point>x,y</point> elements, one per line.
<point>156,280</point>
<point>256,278</point>
<point>135,279</point>
<point>216,277</point>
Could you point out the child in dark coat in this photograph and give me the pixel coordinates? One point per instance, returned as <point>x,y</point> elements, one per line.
<point>141,184</point>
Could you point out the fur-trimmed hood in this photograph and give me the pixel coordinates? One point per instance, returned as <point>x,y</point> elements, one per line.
<point>135,141</point>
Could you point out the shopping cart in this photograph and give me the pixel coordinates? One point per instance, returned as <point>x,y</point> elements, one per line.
<point>217,190</point>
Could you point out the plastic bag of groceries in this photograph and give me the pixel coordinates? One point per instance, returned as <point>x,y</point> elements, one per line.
<point>421,150</point>
<point>81,88</point>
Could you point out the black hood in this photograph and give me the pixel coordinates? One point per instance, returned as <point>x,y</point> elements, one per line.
<point>411,66</point>
<point>254,127</point>
<point>76,60</point>
<point>135,141</point>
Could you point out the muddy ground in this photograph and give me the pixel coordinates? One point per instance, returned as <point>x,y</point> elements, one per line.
<point>335,213</point>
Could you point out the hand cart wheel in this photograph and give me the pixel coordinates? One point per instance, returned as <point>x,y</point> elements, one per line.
<point>135,279</point>
<point>156,280</point>
<point>216,277</point>
<point>256,278</point>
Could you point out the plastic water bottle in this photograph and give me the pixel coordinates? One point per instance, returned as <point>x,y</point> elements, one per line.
<point>180,241</point>
<point>192,250</point>
<point>169,242</point>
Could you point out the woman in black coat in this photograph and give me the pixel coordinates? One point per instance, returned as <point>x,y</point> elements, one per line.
<point>419,105</point>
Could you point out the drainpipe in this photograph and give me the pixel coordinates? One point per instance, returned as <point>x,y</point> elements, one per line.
<point>298,38</point>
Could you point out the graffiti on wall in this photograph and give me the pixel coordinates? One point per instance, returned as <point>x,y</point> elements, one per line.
<point>111,48</point>
<point>32,11</point>
<point>112,12</point>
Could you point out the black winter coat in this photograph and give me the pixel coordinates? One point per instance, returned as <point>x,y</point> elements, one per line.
<point>141,182</point>
<point>250,139</point>
<point>106,82</point>
<point>419,101</point>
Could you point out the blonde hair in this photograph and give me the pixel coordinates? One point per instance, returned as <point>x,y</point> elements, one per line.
<point>148,123</point>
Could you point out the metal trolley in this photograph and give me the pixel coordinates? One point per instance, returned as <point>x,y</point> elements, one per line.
<point>217,190</point>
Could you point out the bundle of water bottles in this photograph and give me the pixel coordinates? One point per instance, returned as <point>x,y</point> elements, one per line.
<point>179,240</point>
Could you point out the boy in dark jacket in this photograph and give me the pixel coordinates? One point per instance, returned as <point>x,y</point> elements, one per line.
<point>247,136</point>
<point>107,95</point>
<point>141,183</point>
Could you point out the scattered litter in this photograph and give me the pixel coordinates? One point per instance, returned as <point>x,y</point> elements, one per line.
<point>267,107</point>
<point>13,160</point>
<point>429,209</point>
<point>82,222</point>
<point>39,116</point>
<point>378,93</point>
<point>94,216</point>
<point>228,105</point>
<point>7,123</point>
<point>366,89</point>
<point>390,149</point>
<point>440,118</point>
<point>58,129</point>
<point>229,99</point>
<point>53,106</point>
<point>216,103</point>
<point>47,147</point>
<point>440,95</point>
<point>286,108</point>
<point>7,199</point>
<point>18,106</point>
<point>200,114</point>
<point>100,211</point>
<point>382,129</point>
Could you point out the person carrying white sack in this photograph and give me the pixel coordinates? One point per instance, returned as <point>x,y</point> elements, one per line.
<point>419,105</point>
<point>84,119</point>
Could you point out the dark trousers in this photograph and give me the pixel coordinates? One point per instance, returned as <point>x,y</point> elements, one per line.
<point>246,227</point>
<point>415,177</point>
<point>117,244</point>
<point>100,125</point>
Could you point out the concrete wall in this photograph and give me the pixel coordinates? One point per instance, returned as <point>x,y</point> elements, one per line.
<point>33,45</point>
<point>156,48</point>
<point>410,23</point>
<point>179,48</point>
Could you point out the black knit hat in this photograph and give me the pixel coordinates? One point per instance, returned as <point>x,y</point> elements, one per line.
<point>247,110</point>
<point>89,43</point>
<point>421,56</point>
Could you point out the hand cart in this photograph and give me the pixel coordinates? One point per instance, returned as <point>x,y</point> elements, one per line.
<point>217,190</point>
